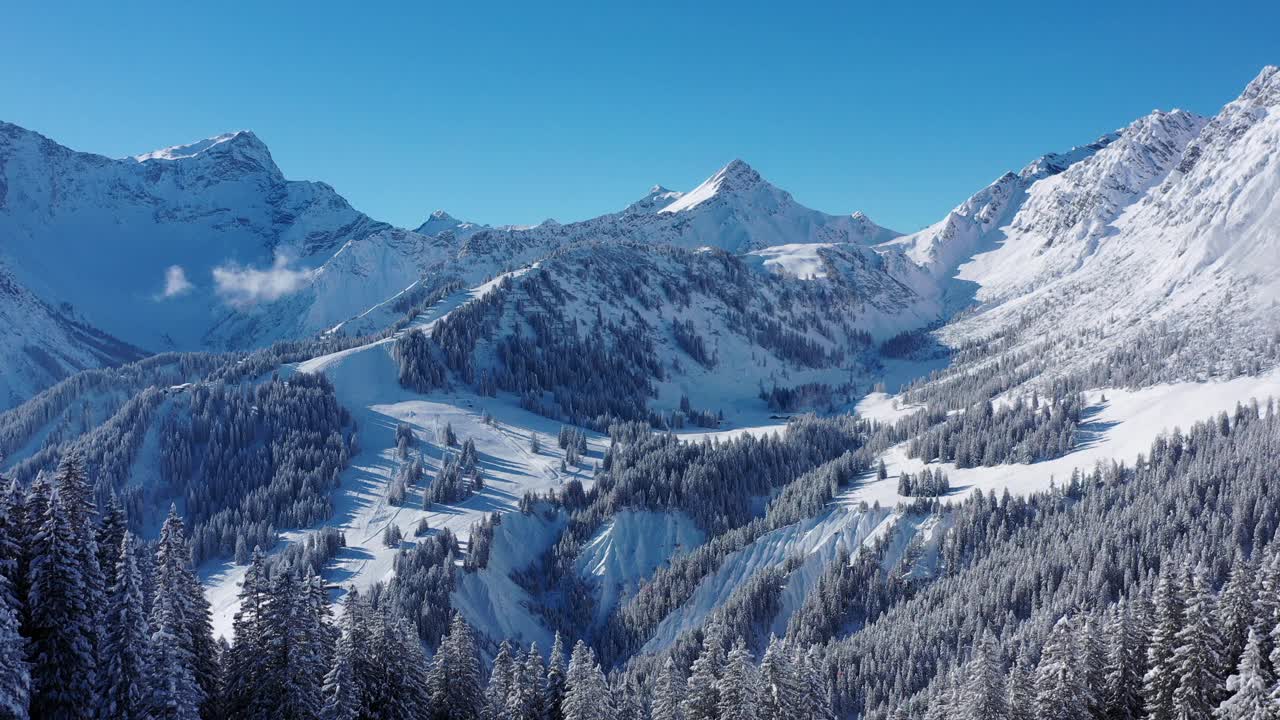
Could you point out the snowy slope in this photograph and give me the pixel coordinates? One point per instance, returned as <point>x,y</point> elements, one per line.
<point>1196,246</point>
<point>365,380</point>
<point>39,345</point>
<point>1065,216</point>
<point>976,223</point>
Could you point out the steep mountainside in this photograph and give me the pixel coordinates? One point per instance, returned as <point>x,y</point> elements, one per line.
<point>43,345</point>
<point>1170,229</point>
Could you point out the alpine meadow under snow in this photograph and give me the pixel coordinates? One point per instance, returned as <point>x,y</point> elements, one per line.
<point>713,456</point>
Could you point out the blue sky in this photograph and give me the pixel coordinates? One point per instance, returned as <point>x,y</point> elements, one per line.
<point>512,113</point>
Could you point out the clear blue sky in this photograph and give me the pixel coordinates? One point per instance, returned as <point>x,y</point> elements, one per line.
<point>512,113</point>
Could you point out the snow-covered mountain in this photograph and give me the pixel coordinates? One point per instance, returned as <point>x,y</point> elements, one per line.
<point>976,223</point>
<point>1105,291</point>
<point>735,210</point>
<point>161,248</point>
<point>1174,222</point>
<point>209,246</point>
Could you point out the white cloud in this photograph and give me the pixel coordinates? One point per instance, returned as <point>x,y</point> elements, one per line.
<point>176,282</point>
<point>241,285</point>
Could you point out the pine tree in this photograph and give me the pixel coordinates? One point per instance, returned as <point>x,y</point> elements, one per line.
<point>815,687</point>
<point>500,681</point>
<point>297,652</point>
<point>983,695</point>
<point>341,692</point>
<point>737,686</point>
<point>15,674</point>
<point>72,485</point>
<point>127,645</point>
<point>454,681</point>
<point>1123,671</point>
<point>668,692</point>
<point>174,693</point>
<point>1020,701</point>
<point>1093,659</point>
<point>246,668</point>
<point>779,685</point>
<point>1161,679</point>
<point>554,698</point>
<point>702,695</point>
<point>1197,658</point>
<point>63,682</point>
<point>179,614</point>
<point>587,695</point>
<point>111,530</point>
<point>1266,611</point>
<point>630,698</point>
<point>1235,611</point>
<point>1060,690</point>
<point>1250,694</point>
<point>535,675</point>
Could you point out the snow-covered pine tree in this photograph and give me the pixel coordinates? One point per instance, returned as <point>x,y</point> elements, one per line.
<point>702,691</point>
<point>455,675</point>
<point>296,646</point>
<point>15,675</point>
<point>501,677</point>
<point>111,529</point>
<point>174,693</point>
<point>587,695</point>
<point>1060,690</point>
<point>127,644</point>
<point>668,692</point>
<point>176,586</point>
<point>982,696</point>
<point>629,698</point>
<point>1235,610</point>
<point>1161,679</point>
<point>553,697</point>
<point>1093,660</point>
<point>816,689</point>
<point>1266,611</point>
<point>1124,667</point>
<point>246,667</point>
<point>737,686</point>
<point>1198,656</point>
<point>535,675</point>
<point>779,686</point>
<point>1020,700</point>
<point>341,692</point>
<point>62,659</point>
<point>72,485</point>
<point>1249,689</point>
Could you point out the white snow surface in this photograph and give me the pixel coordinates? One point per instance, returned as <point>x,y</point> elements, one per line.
<point>629,548</point>
<point>1117,428</point>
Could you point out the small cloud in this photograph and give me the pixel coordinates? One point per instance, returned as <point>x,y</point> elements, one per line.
<point>241,285</point>
<point>175,282</point>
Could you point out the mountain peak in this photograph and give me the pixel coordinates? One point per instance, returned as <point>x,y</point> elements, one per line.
<point>736,177</point>
<point>739,175</point>
<point>242,148</point>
